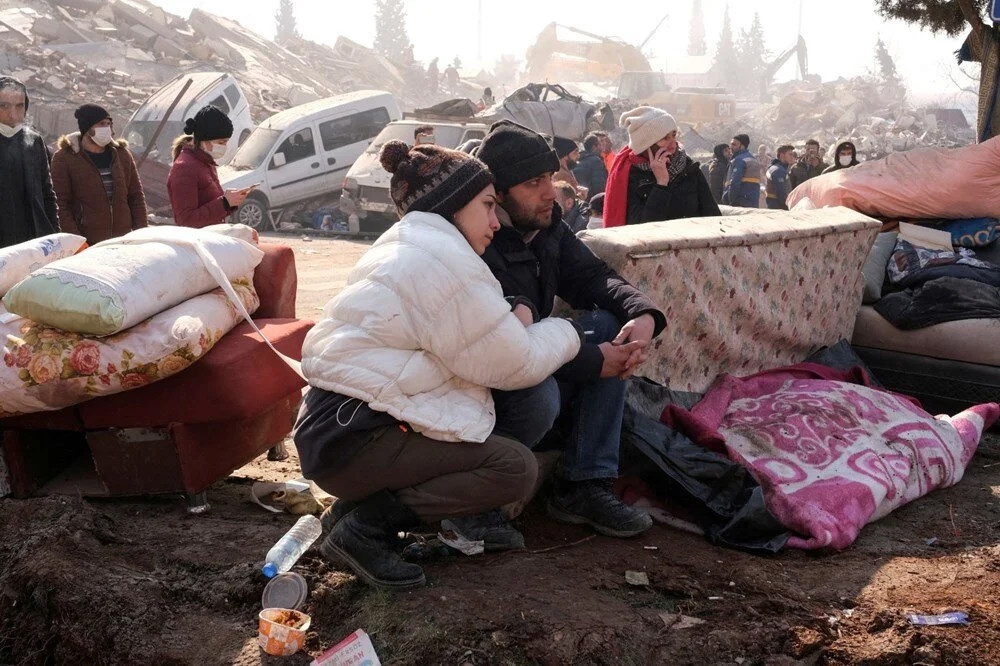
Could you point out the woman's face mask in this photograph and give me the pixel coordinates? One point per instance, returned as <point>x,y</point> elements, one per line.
<point>218,151</point>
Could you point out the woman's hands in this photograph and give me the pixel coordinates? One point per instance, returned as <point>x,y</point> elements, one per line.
<point>659,165</point>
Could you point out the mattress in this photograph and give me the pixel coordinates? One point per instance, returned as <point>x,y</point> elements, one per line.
<point>743,294</point>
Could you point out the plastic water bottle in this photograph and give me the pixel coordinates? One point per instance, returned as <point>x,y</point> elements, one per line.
<point>284,554</point>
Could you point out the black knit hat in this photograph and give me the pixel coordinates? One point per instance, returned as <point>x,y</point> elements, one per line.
<point>89,115</point>
<point>597,203</point>
<point>432,179</point>
<point>209,124</point>
<point>564,146</point>
<point>516,154</point>
<point>744,139</point>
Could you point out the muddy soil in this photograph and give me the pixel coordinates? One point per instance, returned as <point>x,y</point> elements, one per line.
<point>140,581</point>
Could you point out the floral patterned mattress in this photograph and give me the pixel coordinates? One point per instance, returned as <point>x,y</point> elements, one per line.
<point>47,369</point>
<point>743,294</point>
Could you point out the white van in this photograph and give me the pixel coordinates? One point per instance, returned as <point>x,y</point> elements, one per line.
<point>305,151</point>
<point>216,88</point>
<point>367,183</point>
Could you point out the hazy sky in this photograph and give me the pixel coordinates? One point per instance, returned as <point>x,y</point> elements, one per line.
<point>841,35</point>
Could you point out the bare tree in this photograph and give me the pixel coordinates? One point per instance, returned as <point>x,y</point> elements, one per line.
<point>983,45</point>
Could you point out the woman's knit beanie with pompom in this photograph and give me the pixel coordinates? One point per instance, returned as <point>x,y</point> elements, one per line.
<point>432,179</point>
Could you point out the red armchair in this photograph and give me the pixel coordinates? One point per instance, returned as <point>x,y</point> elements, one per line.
<point>181,434</point>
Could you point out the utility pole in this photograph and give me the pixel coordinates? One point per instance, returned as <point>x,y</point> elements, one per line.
<point>479,30</point>
<point>802,75</point>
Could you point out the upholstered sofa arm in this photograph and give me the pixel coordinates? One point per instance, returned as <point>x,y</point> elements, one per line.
<point>276,281</point>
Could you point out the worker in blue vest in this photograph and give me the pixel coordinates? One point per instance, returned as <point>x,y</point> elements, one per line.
<point>776,179</point>
<point>743,180</point>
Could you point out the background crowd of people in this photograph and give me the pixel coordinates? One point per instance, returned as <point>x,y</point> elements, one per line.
<point>91,185</point>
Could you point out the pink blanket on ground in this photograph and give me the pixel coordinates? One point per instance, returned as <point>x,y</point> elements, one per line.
<point>925,183</point>
<point>831,452</point>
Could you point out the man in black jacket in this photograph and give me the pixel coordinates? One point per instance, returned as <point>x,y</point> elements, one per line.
<point>535,255</point>
<point>715,171</point>
<point>27,200</point>
<point>590,171</point>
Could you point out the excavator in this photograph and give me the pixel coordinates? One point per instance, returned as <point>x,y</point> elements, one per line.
<point>594,58</point>
<point>767,75</point>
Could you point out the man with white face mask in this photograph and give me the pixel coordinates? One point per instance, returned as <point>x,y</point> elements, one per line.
<point>96,180</point>
<point>27,202</point>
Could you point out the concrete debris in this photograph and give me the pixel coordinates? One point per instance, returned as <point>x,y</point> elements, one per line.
<point>118,52</point>
<point>878,119</point>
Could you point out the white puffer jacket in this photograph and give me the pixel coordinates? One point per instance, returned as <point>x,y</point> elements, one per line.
<point>422,332</point>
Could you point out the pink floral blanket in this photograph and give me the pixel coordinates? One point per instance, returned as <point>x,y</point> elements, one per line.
<point>831,452</point>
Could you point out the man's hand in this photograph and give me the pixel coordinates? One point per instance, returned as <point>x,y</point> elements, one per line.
<point>523,314</point>
<point>640,329</point>
<point>616,358</point>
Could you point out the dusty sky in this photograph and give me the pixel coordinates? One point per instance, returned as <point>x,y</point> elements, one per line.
<point>841,35</point>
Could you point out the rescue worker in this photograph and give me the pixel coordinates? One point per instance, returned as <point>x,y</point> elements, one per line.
<point>776,179</point>
<point>742,187</point>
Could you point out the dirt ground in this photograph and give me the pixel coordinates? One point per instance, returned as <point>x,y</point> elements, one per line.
<point>140,581</point>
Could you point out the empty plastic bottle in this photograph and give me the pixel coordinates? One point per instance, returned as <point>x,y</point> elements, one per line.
<point>284,554</point>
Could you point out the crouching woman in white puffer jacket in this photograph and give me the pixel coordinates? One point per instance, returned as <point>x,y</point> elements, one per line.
<point>398,422</point>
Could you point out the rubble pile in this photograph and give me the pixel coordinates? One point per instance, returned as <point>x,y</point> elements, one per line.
<point>117,52</point>
<point>875,117</point>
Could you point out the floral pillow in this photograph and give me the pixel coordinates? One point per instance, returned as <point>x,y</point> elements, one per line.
<point>47,369</point>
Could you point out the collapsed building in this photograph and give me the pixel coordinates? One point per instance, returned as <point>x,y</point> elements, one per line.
<point>118,52</point>
<point>877,118</point>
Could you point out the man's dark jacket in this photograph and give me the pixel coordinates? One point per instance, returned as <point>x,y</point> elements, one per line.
<point>801,172</point>
<point>591,173</point>
<point>577,217</point>
<point>40,198</point>
<point>717,170</point>
<point>557,263</point>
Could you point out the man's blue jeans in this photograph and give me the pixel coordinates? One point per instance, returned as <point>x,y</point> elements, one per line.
<point>594,410</point>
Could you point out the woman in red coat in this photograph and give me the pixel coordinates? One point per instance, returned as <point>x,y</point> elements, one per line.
<point>196,196</point>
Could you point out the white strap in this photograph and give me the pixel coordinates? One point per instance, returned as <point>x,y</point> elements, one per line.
<point>213,268</point>
<point>216,272</point>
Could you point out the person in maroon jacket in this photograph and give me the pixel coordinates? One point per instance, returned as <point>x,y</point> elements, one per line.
<point>196,196</point>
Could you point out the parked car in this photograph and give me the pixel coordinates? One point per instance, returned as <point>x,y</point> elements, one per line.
<point>305,151</point>
<point>367,183</point>
<point>216,88</point>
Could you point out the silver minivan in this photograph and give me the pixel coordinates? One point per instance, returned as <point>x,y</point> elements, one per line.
<point>305,152</point>
<point>367,183</point>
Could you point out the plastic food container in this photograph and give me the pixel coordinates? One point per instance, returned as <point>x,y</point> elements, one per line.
<point>282,631</point>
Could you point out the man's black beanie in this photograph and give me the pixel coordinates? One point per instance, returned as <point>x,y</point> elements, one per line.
<point>89,115</point>
<point>516,154</point>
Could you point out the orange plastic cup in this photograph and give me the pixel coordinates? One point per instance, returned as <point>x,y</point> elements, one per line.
<point>278,639</point>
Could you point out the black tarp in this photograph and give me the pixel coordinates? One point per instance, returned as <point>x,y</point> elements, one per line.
<point>723,497</point>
